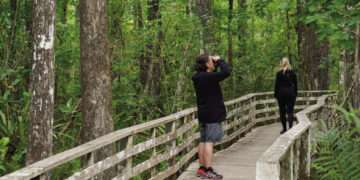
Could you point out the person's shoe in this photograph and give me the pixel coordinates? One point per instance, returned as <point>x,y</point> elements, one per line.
<point>283,131</point>
<point>202,174</point>
<point>214,174</point>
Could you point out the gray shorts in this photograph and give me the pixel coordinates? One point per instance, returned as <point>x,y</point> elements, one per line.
<point>211,132</point>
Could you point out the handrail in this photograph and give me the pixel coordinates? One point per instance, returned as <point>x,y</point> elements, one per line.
<point>289,156</point>
<point>176,146</point>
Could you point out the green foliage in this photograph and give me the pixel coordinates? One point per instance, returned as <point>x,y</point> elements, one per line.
<point>259,38</point>
<point>3,149</point>
<point>14,106</point>
<point>337,150</point>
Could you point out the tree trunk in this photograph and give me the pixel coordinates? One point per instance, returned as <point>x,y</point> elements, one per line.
<point>313,55</point>
<point>356,77</point>
<point>203,10</point>
<point>95,73</point>
<point>64,11</point>
<point>230,43</point>
<point>299,26</point>
<point>242,24</point>
<point>116,18</point>
<point>323,68</point>
<point>153,60</point>
<point>288,33</point>
<point>346,71</point>
<point>348,58</point>
<point>42,82</point>
<point>314,61</point>
<point>139,24</point>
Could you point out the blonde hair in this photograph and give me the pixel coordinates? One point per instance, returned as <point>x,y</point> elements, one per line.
<point>285,64</point>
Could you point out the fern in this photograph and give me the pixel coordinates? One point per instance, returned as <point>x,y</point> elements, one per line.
<point>337,150</point>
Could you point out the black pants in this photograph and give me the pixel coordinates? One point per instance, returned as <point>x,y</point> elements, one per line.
<point>286,107</point>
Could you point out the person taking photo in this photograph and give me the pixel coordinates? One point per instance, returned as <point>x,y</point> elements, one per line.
<point>211,109</point>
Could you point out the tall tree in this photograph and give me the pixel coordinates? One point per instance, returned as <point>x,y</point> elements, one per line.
<point>230,34</point>
<point>241,27</point>
<point>323,67</point>
<point>313,53</point>
<point>95,73</point>
<point>151,66</point>
<point>64,9</point>
<point>139,25</point>
<point>346,71</point>
<point>356,77</point>
<point>288,32</point>
<point>203,11</point>
<point>42,82</point>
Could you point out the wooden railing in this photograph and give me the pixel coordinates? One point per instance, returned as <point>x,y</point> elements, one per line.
<point>289,157</point>
<point>162,148</point>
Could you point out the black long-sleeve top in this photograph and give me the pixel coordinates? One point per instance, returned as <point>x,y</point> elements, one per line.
<point>285,84</point>
<point>210,101</point>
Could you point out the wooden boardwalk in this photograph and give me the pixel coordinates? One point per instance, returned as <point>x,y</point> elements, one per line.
<point>238,162</point>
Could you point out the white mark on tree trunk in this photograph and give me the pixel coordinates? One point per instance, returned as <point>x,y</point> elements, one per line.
<point>35,57</point>
<point>51,94</point>
<point>40,104</point>
<point>47,41</point>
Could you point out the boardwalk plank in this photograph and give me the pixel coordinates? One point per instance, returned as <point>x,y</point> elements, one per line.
<point>238,162</point>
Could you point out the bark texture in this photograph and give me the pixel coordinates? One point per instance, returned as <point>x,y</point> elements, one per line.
<point>230,34</point>
<point>346,71</point>
<point>203,11</point>
<point>150,67</point>
<point>42,82</point>
<point>95,72</point>
<point>313,54</point>
<point>241,28</point>
<point>356,77</point>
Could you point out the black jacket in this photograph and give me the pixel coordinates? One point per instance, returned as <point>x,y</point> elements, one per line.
<point>285,84</point>
<point>210,101</point>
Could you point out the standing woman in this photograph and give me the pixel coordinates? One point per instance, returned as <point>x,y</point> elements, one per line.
<point>285,93</point>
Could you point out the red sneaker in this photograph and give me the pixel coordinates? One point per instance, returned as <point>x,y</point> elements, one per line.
<point>214,174</point>
<point>202,174</point>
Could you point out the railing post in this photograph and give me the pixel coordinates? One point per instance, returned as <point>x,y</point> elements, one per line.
<point>308,154</point>
<point>305,155</point>
<point>188,133</point>
<point>171,148</point>
<point>129,161</point>
<point>173,142</point>
<point>307,96</point>
<point>45,176</point>
<point>237,115</point>
<point>252,112</point>
<point>86,161</point>
<point>267,107</point>
<point>192,131</point>
<point>153,170</point>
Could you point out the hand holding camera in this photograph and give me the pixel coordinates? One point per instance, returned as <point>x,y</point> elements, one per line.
<point>215,58</point>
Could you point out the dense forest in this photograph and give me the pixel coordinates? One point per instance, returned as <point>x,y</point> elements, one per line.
<point>65,63</point>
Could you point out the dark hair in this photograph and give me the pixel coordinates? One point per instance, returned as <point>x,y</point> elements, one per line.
<point>200,64</point>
